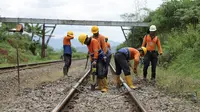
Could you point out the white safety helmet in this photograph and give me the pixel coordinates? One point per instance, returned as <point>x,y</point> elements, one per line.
<point>152,28</point>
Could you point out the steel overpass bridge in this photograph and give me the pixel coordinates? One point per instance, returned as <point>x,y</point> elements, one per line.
<point>55,22</point>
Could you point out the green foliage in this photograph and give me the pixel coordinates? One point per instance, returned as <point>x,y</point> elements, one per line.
<point>172,82</point>
<point>121,46</point>
<point>178,28</point>
<point>79,55</point>
<point>181,41</point>
<point>34,30</point>
<point>10,41</point>
<point>183,46</point>
<point>73,49</point>
<point>175,14</point>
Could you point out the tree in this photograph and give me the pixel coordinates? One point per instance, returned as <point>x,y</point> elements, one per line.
<point>34,30</point>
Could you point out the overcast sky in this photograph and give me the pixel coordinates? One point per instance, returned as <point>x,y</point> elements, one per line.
<point>76,10</point>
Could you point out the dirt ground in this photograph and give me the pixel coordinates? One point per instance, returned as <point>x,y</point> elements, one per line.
<point>32,79</point>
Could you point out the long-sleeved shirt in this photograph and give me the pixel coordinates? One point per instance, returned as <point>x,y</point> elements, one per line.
<point>150,43</point>
<point>101,40</point>
<point>95,50</point>
<point>108,45</point>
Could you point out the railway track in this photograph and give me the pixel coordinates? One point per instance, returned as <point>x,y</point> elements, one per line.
<point>41,87</point>
<point>81,98</point>
<point>28,66</point>
<point>41,95</point>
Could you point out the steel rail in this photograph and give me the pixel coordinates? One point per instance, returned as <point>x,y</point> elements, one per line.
<point>130,91</point>
<point>61,105</point>
<point>33,64</point>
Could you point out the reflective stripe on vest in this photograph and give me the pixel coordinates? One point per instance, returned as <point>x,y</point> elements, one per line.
<point>100,54</point>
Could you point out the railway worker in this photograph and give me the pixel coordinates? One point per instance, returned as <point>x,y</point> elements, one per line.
<point>99,37</point>
<point>122,58</point>
<point>108,55</point>
<point>67,52</point>
<point>150,41</point>
<point>102,43</point>
<point>97,59</point>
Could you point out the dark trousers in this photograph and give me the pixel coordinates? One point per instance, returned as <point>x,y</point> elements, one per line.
<point>67,60</point>
<point>100,69</point>
<point>107,64</point>
<point>121,63</point>
<point>153,58</point>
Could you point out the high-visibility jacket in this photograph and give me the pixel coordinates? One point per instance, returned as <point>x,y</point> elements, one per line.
<point>131,53</point>
<point>150,43</point>
<point>108,45</point>
<point>67,45</point>
<point>95,50</point>
<point>101,40</point>
<point>108,49</point>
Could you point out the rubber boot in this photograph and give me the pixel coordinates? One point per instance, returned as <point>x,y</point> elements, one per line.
<point>118,81</point>
<point>65,71</point>
<point>99,84</point>
<point>129,82</point>
<point>104,85</point>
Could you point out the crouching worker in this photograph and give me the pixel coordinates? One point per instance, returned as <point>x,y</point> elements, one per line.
<point>97,59</point>
<point>122,58</point>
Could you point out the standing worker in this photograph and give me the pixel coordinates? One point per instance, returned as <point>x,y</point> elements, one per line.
<point>108,49</point>
<point>102,43</point>
<point>107,43</point>
<point>122,58</point>
<point>150,41</point>
<point>67,51</point>
<point>108,55</point>
<point>97,59</point>
<point>99,37</point>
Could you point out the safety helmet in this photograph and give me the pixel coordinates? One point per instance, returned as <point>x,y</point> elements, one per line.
<point>106,37</point>
<point>152,28</point>
<point>144,50</point>
<point>94,29</point>
<point>70,33</point>
<point>82,38</point>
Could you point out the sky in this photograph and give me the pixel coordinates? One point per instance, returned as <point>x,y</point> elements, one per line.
<point>109,10</point>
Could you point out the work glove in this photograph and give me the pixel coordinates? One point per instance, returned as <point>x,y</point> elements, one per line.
<point>135,70</point>
<point>94,63</point>
<point>129,63</point>
<point>104,58</point>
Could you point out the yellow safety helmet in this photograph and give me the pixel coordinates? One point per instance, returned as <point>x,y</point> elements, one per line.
<point>70,33</point>
<point>95,29</point>
<point>144,50</point>
<point>82,38</point>
<point>106,37</point>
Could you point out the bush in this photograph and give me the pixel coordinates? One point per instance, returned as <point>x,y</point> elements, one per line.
<point>182,49</point>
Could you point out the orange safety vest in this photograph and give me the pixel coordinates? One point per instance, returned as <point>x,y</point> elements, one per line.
<point>101,40</point>
<point>150,43</point>
<point>95,50</point>
<point>108,45</point>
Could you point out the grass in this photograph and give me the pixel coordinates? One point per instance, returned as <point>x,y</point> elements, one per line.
<point>182,85</point>
<point>79,55</point>
<point>173,82</point>
<point>26,56</point>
